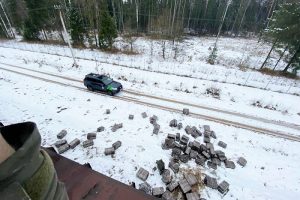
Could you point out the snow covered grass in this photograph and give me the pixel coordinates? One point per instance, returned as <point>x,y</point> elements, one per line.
<point>271,171</point>
<point>237,58</point>
<point>273,164</point>
<point>237,98</point>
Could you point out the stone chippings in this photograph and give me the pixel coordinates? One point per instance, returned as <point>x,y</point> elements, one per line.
<point>144,115</point>
<point>229,164</point>
<point>179,126</point>
<point>167,195</point>
<point>63,148</point>
<point>184,185</point>
<point>206,128</point>
<point>59,143</point>
<point>205,154</point>
<point>115,127</point>
<point>142,174</point>
<point>193,154</point>
<point>216,161</point>
<point>176,152</point>
<point>242,161</point>
<point>222,144</point>
<point>193,196</point>
<point>74,143</point>
<point>109,151</point>
<point>145,187</point>
<point>188,151</point>
<point>87,143</point>
<point>157,191</point>
<point>131,117</point>
<point>206,139</point>
<point>91,136</point>
<point>184,139</point>
<point>200,160</point>
<point>184,150</point>
<point>210,182</point>
<point>186,111</point>
<point>116,145</point>
<point>166,176</point>
<point>61,134</point>
<point>191,179</point>
<point>160,166</point>
<point>100,129</point>
<point>195,145</point>
<point>169,143</point>
<point>173,123</point>
<point>184,158</point>
<point>213,135</point>
<point>172,186</point>
<point>156,128</point>
<point>174,166</point>
<point>212,165</point>
<point>223,187</point>
<point>153,119</point>
<point>188,130</point>
<point>171,136</point>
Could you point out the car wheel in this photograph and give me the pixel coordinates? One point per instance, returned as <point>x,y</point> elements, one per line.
<point>110,93</point>
<point>89,88</point>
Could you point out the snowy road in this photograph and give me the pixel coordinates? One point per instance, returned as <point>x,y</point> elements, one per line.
<point>271,171</point>
<point>229,118</point>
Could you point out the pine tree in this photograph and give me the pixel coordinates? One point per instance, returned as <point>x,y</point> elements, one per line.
<point>37,18</point>
<point>77,28</point>
<point>108,30</point>
<point>2,32</point>
<point>17,11</point>
<point>285,27</point>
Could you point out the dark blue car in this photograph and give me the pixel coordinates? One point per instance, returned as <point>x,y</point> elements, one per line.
<point>102,83</point>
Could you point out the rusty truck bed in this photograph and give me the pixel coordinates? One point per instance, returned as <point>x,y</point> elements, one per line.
<point>84,183</point>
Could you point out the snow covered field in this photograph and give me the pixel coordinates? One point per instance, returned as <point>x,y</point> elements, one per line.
<point>28,99</point>
<point>273,163</point>
<point>236,60</point>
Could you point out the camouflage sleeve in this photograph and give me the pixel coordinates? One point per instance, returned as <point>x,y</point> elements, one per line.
<point>29,170</point>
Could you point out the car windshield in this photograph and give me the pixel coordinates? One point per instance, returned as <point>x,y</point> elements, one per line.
<point>106,80</point>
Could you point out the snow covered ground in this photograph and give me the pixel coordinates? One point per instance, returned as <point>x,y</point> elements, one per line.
<point>55,107</point>
<point>277,106</point>
<point>235,61</point>
<point>271,171</point>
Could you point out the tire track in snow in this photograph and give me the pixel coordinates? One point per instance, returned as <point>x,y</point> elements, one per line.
<point>260,119</point>
<point>278,134</point>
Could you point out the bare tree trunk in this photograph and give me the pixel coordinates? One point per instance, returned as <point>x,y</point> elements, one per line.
<point>97,24</point>
<point>62,37</point>
<point>137,15</point>
<point>173,19</point>
<point>292,59</point>
<point>220,26</point>
<point>183,12</point>
<point>190,9</point>
<point>149,19</point>
<point>270,10</point>
<point>4,25</point>
<point>280,57</point>
<point>7,19</point>
<point>248,3</point>
<point>114,9</point>
<point>236,16</point>
<point>262,66</point>
<point>163,48</point>
<point>45,34</point>
<point>5,32</point>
